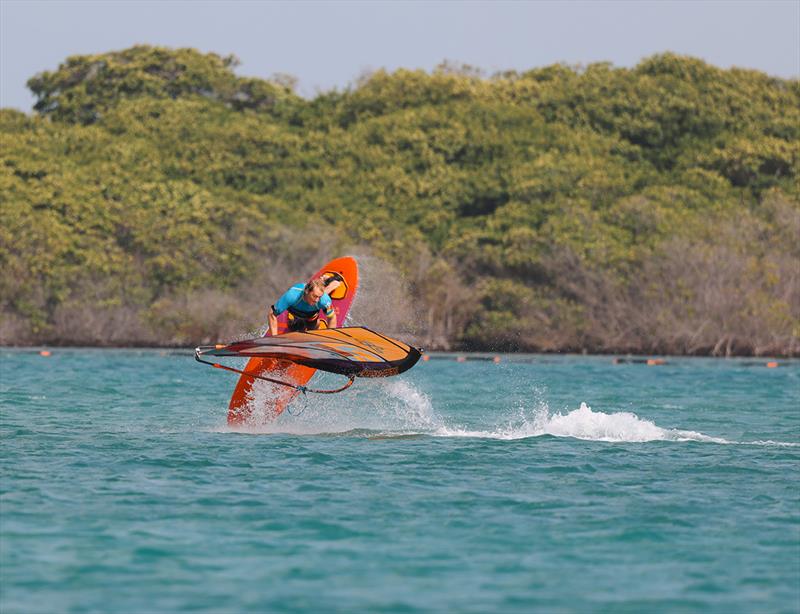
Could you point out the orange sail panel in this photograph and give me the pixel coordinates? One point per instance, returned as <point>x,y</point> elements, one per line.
<point>353,351</point>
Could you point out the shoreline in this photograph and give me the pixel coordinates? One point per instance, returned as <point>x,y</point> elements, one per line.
<point>651,359</point>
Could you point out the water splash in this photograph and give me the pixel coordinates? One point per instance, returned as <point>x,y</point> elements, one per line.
<point>396,408</point>
<point>388,407</point>
<point>583,423</point>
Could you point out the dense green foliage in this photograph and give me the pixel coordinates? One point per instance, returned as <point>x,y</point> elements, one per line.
<point>157,196</point>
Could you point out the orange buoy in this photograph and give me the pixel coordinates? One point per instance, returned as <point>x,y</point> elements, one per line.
<point>655,361</point>
<point>425,358</point>
<point>772,365</point>
<point>496,359</point>
<point>44,353</point>
<point>461,359</point>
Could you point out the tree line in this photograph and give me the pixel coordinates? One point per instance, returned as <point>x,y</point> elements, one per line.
<point>155,197</point>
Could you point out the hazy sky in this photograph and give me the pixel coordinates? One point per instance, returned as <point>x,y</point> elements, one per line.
<point>329,44</point>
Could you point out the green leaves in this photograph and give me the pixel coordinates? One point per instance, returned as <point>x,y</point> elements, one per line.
<point>152,179</point>
<point>84,88</point>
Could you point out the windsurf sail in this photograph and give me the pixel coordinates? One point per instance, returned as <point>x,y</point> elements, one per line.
<point>351,351</point>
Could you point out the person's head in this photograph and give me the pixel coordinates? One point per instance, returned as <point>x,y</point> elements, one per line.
<point>314,291</point>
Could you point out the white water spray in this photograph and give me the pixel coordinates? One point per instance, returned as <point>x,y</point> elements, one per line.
<point>583,423</point>
<point>396,408</point>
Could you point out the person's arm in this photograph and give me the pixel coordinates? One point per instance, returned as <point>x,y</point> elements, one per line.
<point>281,305</point>
<point>326,304</point>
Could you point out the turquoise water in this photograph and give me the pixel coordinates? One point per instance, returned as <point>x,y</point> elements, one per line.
<point>564,484</point>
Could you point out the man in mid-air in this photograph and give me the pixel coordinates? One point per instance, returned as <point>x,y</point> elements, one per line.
<point>304,304</point>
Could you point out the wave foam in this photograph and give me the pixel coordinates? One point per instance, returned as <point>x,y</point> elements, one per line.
<point>395,408</point>
<point>583,423</point>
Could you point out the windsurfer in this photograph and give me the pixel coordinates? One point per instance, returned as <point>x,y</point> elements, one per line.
<point>304,304</point>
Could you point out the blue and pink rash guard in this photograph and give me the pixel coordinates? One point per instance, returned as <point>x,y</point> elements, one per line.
<point>292,300</point>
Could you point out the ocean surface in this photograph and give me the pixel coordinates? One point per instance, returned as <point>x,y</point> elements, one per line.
<point>537,484</point>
